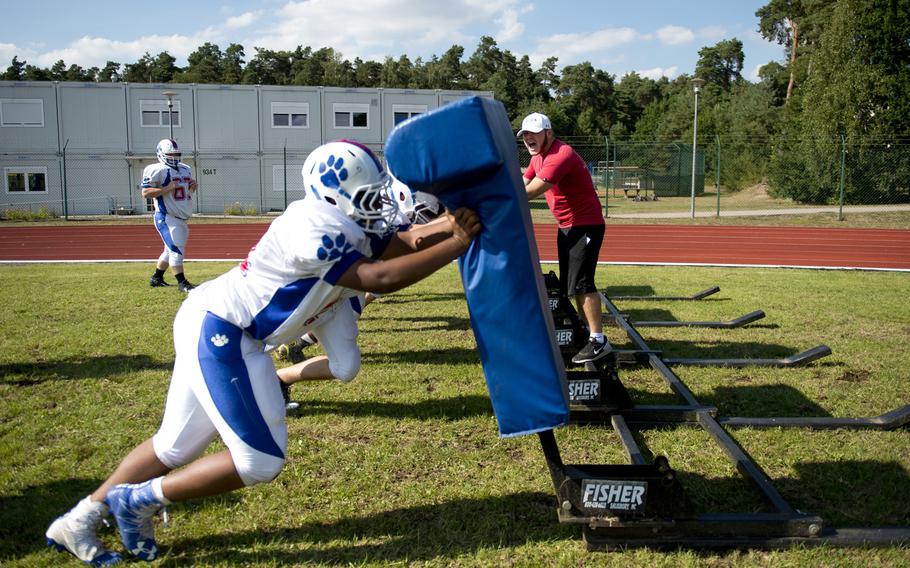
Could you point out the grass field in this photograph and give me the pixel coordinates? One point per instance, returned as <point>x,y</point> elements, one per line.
<point>404,465</point>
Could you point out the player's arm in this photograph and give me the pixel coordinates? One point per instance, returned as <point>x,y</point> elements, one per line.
<point>402,271</point>
<point>418,237</point>
<point>192,186</point>
<point>152,192</point>
<point>536,187</point>
<point>153,186</point>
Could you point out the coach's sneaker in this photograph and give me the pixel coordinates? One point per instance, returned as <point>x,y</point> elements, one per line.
<point>157,281</point>
<point>593,351</point>
<point>133,507</point>
<point>76,532</point>
<point>185,286</point>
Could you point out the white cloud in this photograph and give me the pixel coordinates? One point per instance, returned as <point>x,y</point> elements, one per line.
<point>572,48</point>
<point>713,33</point>
<point>675,35</point>
<point>509,26</point>
<point>753,75</point>
<point>94,51</point>
<point>241,21</point>
<point>7,52</point>
<point>379,28</point>
<point>658,72</point>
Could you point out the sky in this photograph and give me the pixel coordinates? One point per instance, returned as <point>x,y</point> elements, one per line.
<point>651,37</point>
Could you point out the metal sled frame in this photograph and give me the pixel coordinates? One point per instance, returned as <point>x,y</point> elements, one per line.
<point>642,504</point>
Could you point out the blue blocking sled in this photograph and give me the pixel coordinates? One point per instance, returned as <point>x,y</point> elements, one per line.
<point>464,153</point>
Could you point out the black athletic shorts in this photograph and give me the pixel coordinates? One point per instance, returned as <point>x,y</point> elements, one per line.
<point>578,249</point>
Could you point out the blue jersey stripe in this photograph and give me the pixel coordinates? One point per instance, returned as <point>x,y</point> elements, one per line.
<point>161,225</point>
<point>228,382</point>
<point>341,266</point>
<point>161,206</point>
<point>283,303</point>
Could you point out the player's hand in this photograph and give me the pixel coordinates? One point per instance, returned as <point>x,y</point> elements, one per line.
<point>193,185</point>
<point>465,225</point>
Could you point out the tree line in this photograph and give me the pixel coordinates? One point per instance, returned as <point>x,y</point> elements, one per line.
<point>845,73</point>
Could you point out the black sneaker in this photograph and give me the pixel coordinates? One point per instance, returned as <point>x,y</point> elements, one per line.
<point>185,286</point>
<point>157,281</point>
<point>286,394</point>
<point>593,351</point>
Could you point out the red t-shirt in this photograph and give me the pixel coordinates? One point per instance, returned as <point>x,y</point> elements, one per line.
<point>572,199</point>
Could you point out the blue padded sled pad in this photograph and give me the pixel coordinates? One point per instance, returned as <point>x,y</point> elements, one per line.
<point>465,154</point>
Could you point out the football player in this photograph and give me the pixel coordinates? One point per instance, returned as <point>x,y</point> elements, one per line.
<point>170,183</point>
<point>302,275</point>
<point>414,208</point>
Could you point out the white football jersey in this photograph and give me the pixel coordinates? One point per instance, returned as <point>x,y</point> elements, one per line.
<point>178,203</point>
<point>290,278</point>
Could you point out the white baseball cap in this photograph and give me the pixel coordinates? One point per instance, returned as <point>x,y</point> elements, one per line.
<point>535,122</point>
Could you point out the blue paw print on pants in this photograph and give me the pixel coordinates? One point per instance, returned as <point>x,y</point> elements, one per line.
<point>332,248</point>
<point>333,172</point>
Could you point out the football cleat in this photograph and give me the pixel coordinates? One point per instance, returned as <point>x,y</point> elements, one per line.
<point>133,507</point>
<point>185,286</point>
<point>289,405</point>
<point>76,533</point>
<point>157,281</point>
<point>292,352</point>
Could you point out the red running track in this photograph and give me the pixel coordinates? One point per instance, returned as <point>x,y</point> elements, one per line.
<point>887,249</point>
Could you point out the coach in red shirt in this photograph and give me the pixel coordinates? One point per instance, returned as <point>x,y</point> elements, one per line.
<point>559,173</point>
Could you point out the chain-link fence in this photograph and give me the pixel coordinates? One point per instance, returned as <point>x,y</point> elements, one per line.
<point>755,178</point>
<point>635,180</point>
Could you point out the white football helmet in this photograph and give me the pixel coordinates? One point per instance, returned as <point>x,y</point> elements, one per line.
<point>403,196</point>
<point>168,153</point>
<point>349,176</point>
<point>426,207</point>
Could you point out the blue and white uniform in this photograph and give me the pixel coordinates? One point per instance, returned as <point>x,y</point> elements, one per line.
<point>224,379</point>
<point>173,209</point>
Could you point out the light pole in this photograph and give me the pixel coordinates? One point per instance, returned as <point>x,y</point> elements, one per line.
<point>696,86</point>
<point>170,114</point>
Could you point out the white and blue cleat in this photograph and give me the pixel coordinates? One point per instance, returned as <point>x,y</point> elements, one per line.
<point>133,507</point>
<point>76,533</point>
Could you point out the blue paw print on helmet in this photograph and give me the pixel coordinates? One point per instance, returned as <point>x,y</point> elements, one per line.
<point>333,172</point>
<point>332,248</point>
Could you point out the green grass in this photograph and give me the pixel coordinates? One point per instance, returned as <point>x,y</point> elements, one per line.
<point>404,465</point>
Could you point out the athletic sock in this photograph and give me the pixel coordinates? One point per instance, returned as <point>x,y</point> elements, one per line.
<point>598,337</point>
<point>180,277</point>
<point>159,273</point>
<point>159,492</point>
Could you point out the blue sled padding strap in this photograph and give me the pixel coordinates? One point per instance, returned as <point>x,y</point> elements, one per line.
<point>464,153</point>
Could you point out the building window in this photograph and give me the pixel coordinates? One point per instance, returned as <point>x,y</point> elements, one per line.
<point>401,113</point>
<point>294,179</point>
<point>349,115</point>
<point>155,113</point>
<point>27,113</point>
<point>290,115</point>
<point>25,180</point>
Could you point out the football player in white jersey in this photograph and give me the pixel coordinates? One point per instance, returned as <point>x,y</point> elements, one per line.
<point>414,208</point>
<point>170,183</point>
<point>301,275</point>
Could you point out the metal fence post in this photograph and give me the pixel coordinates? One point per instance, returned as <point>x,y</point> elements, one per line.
<point>284,165</point>
<point>843,160</point>
<point>65,199</point>
<point>717,174</point>
<point>606,178</point>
